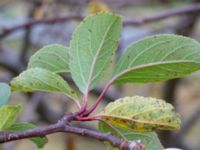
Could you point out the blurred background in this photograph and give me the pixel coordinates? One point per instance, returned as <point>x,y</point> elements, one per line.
<point>28,25</point>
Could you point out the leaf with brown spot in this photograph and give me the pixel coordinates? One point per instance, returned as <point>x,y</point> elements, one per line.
<point>141,114</point>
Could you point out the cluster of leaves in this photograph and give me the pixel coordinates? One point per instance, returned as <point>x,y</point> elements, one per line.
<point>91,51</point>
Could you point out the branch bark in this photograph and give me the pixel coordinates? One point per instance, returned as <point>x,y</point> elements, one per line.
<point>63,126</point>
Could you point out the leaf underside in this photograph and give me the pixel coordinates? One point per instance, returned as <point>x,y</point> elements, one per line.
<point>158,58</point>
<point>140,114</point>
<point>91,49</point>
<point>38,79</point>
<point>53,57</point>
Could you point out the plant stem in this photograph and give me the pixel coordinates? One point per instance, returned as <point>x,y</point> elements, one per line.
<point>89,118</point>
<point>84,105</point>
<point>93,107</point>
<point>62,126</point>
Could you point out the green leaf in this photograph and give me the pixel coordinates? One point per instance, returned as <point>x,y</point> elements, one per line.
<point>8,115</point>
<point>53,57</point>
<point>39,141</point>
<point>158,58</point>
<point>140,114</point>
<point>150,139</point>
<point>38,79</point>
<point>4,93</point>
<point>91,49</point>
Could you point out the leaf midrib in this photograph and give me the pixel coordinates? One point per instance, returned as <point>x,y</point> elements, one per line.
<point>133,120</point>
<point>96,55</point>
<point>8,116</point>
<point>150,65</point>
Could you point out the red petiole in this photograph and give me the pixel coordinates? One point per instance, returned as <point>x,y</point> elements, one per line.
<point>99,99</point>
<point>90,118</point>
<point>83,113</point>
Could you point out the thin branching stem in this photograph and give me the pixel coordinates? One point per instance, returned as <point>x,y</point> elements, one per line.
<point>63,126</point>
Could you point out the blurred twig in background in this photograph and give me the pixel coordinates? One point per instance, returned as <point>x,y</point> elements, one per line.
<point>128,21</point>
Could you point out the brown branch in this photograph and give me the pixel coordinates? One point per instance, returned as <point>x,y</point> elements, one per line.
<point>129,21</point>
<point>63,126</point>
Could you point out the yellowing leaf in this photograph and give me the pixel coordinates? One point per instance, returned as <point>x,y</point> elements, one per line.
<point>141,114</point>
